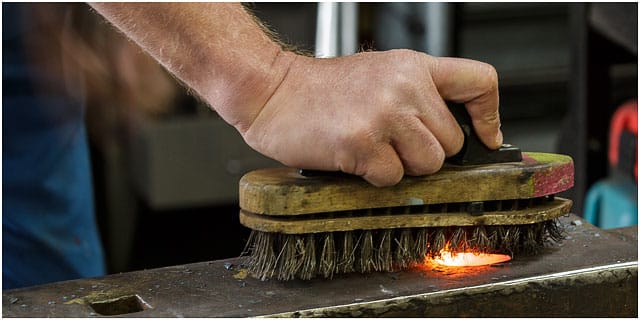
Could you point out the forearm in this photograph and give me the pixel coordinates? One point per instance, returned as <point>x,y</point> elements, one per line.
<point>217,49</point>
<point>379,115</point>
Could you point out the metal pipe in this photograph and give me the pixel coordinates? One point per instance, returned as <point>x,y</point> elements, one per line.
<point>336,29</point>
<point>439,29</point>
<point>348,28</point>
<point>326,30</point>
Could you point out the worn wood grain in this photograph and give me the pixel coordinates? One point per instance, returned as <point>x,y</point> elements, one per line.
<point>282,191</point>
<point>291,225</point>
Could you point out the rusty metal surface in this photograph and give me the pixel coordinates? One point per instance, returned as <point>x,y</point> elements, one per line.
<point>593,273</point>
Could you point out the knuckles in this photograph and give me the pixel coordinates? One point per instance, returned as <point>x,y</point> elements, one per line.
<point>432,164</point>
<point>363,147</point>
<point>488,77</point>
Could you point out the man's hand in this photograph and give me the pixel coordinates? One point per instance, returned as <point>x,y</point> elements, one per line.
<point>376,114</point>
<point>379,115</point>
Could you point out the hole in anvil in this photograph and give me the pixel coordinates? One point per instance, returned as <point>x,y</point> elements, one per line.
<point>118,306</point>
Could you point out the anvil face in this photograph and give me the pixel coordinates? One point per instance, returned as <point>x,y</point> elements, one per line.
<point>593,273</point>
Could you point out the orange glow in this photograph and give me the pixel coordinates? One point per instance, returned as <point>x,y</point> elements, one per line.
<point>468,259</point>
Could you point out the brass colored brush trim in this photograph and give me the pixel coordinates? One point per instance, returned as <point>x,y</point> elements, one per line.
<point>346,221</point>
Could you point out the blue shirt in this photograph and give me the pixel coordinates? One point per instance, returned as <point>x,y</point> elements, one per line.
<point>49,231</point>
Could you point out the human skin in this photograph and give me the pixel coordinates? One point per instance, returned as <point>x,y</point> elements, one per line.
<point>379,115</point>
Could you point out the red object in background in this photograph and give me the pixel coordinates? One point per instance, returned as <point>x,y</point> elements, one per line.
<point>624,123</point>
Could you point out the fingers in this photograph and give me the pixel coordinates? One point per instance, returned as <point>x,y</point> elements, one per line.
<point>418,149</point>
<point>476,85</point>
<point>441,125</point>
<point>384,168</point>
<point>375,161</point>
<point>409,147</point>
<point>394,122</point>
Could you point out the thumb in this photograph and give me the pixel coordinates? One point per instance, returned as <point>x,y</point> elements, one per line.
<point>475,84</point>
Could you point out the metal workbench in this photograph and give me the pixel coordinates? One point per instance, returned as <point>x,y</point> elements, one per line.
<point>592,273</point>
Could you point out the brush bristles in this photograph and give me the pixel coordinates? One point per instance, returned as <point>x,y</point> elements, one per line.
<point>286,257</point>
<point>328,256</point>
<point>346,264</point>
<point>383,256</point>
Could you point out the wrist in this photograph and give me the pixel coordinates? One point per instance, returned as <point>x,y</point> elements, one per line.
<point>254,81</point>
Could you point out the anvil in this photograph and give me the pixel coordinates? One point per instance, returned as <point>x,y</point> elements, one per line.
<point>592,273</point>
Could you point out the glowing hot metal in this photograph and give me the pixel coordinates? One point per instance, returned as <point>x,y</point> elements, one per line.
<point>468,259</point>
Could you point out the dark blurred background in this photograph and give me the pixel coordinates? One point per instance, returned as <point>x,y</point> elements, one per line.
<point>166,168</point>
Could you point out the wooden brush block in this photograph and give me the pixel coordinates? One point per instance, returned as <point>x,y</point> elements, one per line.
<point>298,225</point>
<point>284,192</point>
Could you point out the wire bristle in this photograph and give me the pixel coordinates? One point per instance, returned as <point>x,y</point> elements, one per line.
<point>384,262</point>
<point>402,254</point>
<point>287,260</point>
<point>481,240</point>
<point>328,256</point>
<point>554,231</point>
<point>421,243</point>
<point>458,242</point>
<point>308,268</point>
<point>365,261</point>
<point>439,242</point>
<point>348,253</point>
<point>286,257</point>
